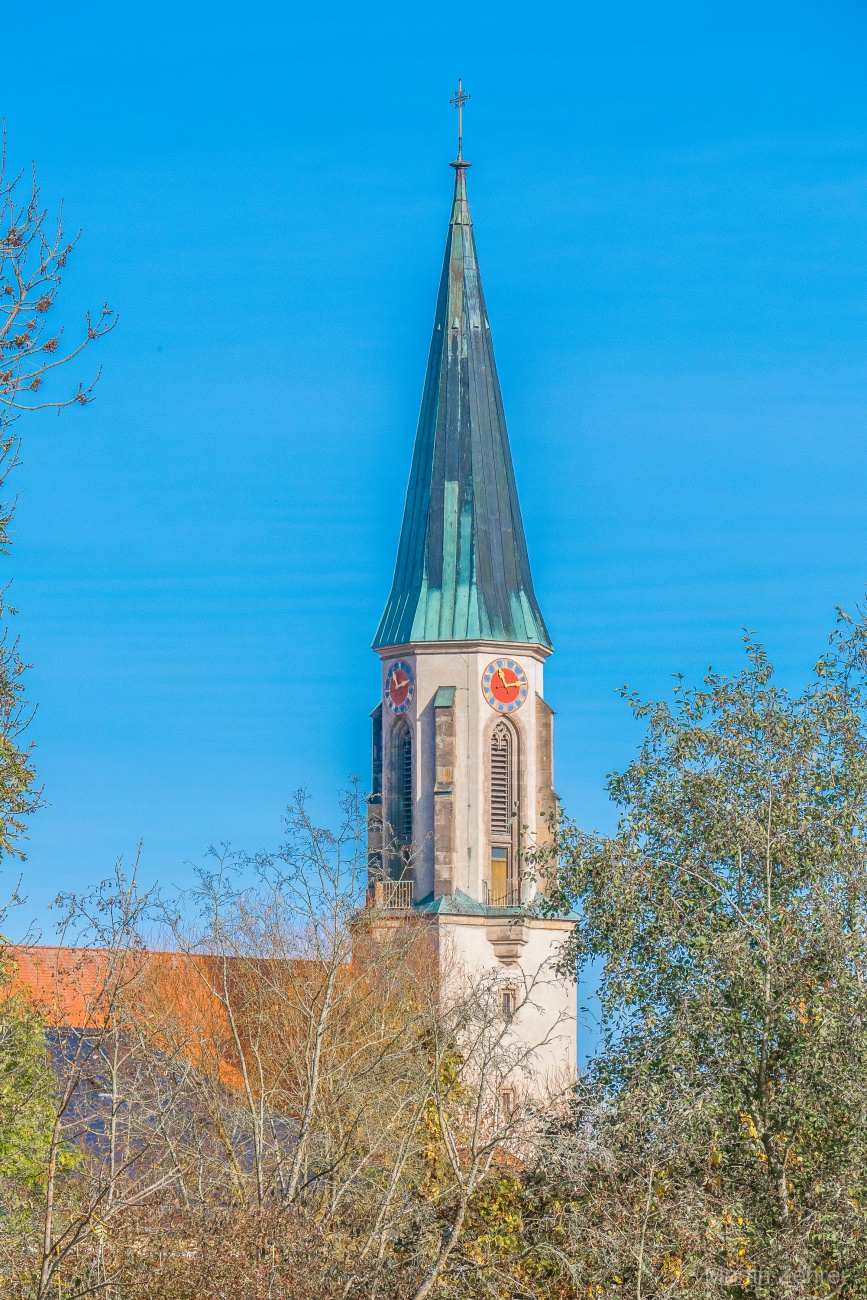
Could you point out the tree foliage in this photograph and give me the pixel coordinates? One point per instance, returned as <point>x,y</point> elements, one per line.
<point>287,1082</point>
<point>26,1087</point>
<point>33,254</point>
<point>719,1144</point>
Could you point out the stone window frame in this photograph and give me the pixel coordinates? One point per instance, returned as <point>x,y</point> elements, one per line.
<point>400,797</point>
<point>512,841</point>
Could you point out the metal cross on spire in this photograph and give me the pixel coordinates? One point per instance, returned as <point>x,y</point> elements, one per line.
<point>459,98</point>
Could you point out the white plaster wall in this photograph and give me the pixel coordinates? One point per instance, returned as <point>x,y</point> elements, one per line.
<point>547,1023</point>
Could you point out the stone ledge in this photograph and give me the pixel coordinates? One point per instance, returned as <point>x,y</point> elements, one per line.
<point>507,940</point>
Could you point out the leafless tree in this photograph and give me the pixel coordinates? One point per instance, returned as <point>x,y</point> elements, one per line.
<point>490,1102</point>
<point>289,1083</point>
<point>33,254</point>
<point>111,1114</point>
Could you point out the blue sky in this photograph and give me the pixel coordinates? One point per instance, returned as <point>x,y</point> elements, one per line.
<point>671,215</point>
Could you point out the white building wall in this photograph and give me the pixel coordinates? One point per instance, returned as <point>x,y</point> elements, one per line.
<point>546,1022</point>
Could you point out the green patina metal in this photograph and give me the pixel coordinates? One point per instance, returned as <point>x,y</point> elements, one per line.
<point>462,572</point>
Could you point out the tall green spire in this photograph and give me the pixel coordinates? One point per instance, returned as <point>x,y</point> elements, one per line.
<point>462,572</point>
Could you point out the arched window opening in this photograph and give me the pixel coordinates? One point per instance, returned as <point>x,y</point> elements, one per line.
<point>401,774</point>
<point>501,780</point>
<point>503,883</point>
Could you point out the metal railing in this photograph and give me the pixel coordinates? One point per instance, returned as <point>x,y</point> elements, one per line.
<point>393,895</point>
<point>511,896</point>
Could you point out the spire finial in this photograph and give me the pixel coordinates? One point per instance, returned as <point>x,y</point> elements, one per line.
<point>459,98</point>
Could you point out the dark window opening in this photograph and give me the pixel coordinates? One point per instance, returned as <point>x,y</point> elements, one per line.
<point>402,819</point>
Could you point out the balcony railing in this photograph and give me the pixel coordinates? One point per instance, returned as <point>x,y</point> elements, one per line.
<point>510,896</point>
<point>393,895</point>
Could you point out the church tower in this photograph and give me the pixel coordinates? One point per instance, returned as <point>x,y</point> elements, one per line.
<point>463,737</point>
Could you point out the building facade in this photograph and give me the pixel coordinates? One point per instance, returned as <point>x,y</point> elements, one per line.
<point>463,739</point>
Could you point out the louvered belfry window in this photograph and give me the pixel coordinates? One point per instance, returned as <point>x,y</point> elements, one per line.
<point>403,783</point>
<point>501,780</point>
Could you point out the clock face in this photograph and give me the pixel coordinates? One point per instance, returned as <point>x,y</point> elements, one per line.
<point>399,687</point>
<point>504,685</point>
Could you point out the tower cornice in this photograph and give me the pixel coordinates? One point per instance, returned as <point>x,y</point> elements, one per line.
<point>530,648</point>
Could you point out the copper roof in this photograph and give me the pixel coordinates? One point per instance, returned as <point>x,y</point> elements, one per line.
<point>462,572</point>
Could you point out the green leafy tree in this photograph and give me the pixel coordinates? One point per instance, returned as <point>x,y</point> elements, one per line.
<point>26,1086</point>
<point>719,1143</point>
<point>27,1089</point>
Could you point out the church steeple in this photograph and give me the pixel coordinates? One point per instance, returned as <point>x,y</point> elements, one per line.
<point>463,737</point>
<point>462,572</point>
